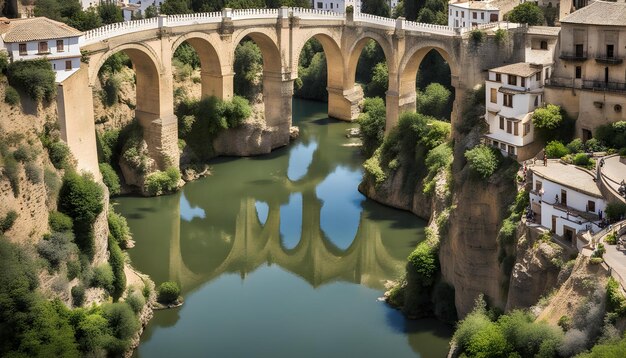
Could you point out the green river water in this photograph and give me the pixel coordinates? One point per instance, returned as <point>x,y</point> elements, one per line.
<point>280,256</point>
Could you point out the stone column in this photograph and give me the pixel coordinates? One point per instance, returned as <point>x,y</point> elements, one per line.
<point>277,96</point>
<point>220,86</point>
<point>344,104</point>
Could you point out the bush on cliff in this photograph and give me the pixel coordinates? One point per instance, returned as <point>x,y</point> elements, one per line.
<point>110,179</point>
<point>118,227</point>
<point>59,154</point>
<point>57,248</point>
<point>59,222</point>
<point>6,223</point>
<point>81,199</point>
<point>556,149</point>
<point>116,260</point>
<point>482,160</point>
<point>11,97</point>
<point>35,78</point>
<point>159,182</point>
<point>372,124</point>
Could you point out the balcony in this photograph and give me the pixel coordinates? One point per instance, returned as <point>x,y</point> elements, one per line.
<point>574,56</point>
<point>604,86</point>
<point>609,60</point>
<point>560,82</point>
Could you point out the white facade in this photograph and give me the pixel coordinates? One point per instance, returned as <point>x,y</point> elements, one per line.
<point>473,13</point>
<point>336,5</point>
<point>564,209</point>
<point>138,7</point>
<point>512,93</point>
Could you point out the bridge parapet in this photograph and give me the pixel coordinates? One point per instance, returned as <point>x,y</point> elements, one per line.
<point>192,19</point>
<point>118,28</point>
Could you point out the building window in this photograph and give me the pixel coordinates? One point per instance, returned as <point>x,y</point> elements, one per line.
<point>474,15</point>
<point>610,51</point>
<point>538,76</point>
<point>482,15</point>
<point>457,14</point>
<point>536,101</point>
<point>60,47</point>
<point>23,51</point>
<point>513,80</point>
<point>579,50</point>
<point>502,146</point>
<point>43,47</point>
<point>511,150</point>
<point>509,127</point>
<point>516,128</point>
<point>579,72</point>
<point>498,77</point>
<point>68,65</point>
<point>538,186</point>
<point>543,45</point>
<point>496,144</point>
<point>526,128</point>
<point>320,5</point>
<point>587,135</point>
<point>591,206</point>
<point>501,122</point>
<point>563,197</point>
<point>508,100</point>
<point>494,95</point>
<point>332,4</point>
<point>523,84</point>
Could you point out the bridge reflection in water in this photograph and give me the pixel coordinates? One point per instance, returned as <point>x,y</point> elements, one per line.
<point>249,213</point>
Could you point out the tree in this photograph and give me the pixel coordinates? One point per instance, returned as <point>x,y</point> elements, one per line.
<point>151,11</point>
<point>248,65</point>
<point>173,7</point>
<point>434,101</point>
<point>168,292</point>
<point>482,160</point>
<point>378,86</point>
<point>372,124</point>
<point>110,13</point>
<point>527,13</point>
<point>375,7</point>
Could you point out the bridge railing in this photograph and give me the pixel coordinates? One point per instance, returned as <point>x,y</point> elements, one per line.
<point>424,27</point>
<point>254,14</point>
<point>373,19</point>
<point>191,19</point>
<point>122,28</point>
<point>305,13</point>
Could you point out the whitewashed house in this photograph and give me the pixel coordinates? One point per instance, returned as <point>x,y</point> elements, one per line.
<point>512,93</point>
<point>472,13</point>
<point>39,37</point>
<point>336,5</point>
<point>565,199</point>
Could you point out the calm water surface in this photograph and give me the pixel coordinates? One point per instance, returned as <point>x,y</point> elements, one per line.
<point>280,256</point>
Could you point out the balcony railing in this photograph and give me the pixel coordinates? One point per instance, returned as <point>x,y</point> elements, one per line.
<point>609,60</point>
<point>573,56</point>
<point>604,86</point>
<point>560,82</point>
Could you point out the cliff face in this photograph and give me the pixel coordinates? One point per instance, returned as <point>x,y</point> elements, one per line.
<point>469,255</point>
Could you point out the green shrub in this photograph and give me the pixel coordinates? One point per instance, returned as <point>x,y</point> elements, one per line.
<point>52,183</point>
<point>12,172</point>
<point>507,231</point>
<point>107,145</point>
<point>576,146</point>
<point>372,168</point>
<point>118,227</point>
<point>582,160</point>
<point>605,349</point>
<point>611,239</point>
<point>596,260</point>
<point>123,323</point>
<point>526,13</point>
<point>59,222</point>
<point>59,154</point>
<point>482,160</point>
<point>615,301</point>
<point>11,96</point>
<point>78,295</point>
<point>613,135</point>
<point>73,269</point>
<point>57,248</point>
<point>4,62</point>
<point>501,35</point>
<point>159,182</point>
<point>111,90</point>
<point>33,172</point>
<point>477,36</point>
<point>35,77</point>
<point>103,277</point>
<point>469,326</point>
<point>248,64</point>
<point>556,149</point>
<point>565,323</point>
<point>136,301</point>
<point>614,211</point>
<point>594,145</point>
<point>487,342</point>
<point>168,292</point>
<point>599,251</point>
<point>24,153</point>
<point>424,261</point>
<point>110,179</point>
<point>439,157</point>
<point>434,101</point>
<point>372,124</point>
<point>379,83</point>
<point>116,260</point>
<point>81,199</point>
<point>7,222</point>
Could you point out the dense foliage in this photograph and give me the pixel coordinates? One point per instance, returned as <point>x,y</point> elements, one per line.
<point>71,12</point>
<point>482,160</point>
<point>168,292</point>
<point>613,134</point>
<point>556,149</point>
<point>372,124</point>
<point>526,13</point>
<point>434,101</point>
<point>81,199</point>
<point>248,66</point>
<point>110,179</point>
<point>11,97</point>
<point>35,78</point>
<point>312,79</point>
<point>162,182</point>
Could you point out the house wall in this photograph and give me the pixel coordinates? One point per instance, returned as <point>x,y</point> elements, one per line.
<point>575,199</point>
<point>465,18</point>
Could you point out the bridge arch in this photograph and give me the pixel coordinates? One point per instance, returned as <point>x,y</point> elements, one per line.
<point>354,53</point>
<point>267,42</point>
<point>212,74</point>
<point>407,73</point>
<point>332,52</point>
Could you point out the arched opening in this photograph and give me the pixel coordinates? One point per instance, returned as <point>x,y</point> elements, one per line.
<point>367,66</point>
<point>127,98</point>
<point>426,83</point>
<point>195,58</point>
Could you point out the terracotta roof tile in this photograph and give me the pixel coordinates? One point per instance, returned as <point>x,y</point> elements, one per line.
<point>523,69</point>
<point>34,29</point>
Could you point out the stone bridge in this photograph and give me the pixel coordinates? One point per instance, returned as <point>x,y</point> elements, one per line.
<point>281,35</point>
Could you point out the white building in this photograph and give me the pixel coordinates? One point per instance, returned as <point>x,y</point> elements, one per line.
<point>565,199</point>
<point>138,7</point>
<point>512,93</point>
<point>471,13</point>
<point>39,37</point>
<point>336,5</point>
